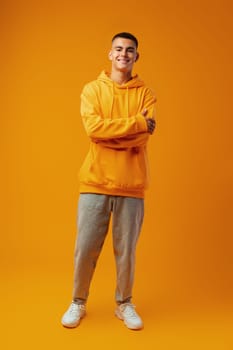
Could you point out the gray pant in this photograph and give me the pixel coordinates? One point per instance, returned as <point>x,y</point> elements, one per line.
<point>94,212</point>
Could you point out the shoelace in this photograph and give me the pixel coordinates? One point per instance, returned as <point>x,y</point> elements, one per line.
<point>129,311</point>
<point>76,307</point>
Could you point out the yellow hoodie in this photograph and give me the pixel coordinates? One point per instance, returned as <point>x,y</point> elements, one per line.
<point>116,163</point>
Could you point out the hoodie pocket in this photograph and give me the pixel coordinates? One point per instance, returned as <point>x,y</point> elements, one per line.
<point>110,168</point>
<point>134,169</point>
<point>92,171</point>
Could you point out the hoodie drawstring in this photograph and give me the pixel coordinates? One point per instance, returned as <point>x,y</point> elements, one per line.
<point>127,102</point>
<point>111,110</point>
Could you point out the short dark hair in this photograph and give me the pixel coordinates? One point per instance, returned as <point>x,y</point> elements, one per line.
<point>126,36</point>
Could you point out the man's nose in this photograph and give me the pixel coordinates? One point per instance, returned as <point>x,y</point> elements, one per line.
<point>124,52</point>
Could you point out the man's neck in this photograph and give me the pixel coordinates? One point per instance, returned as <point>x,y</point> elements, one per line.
<point>120,77</point>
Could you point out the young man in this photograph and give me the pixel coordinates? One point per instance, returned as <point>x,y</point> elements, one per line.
<point>117,111</point>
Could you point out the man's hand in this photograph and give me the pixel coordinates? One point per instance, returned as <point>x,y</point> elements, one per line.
<point>150,122</point>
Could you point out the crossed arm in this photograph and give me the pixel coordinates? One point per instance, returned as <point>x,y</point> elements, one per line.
<point>118,133</point>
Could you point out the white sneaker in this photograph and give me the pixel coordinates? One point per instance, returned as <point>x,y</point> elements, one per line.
<point>73,315</point>
<point>126,312</point>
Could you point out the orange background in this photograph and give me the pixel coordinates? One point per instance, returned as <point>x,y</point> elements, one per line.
<point>184,286</point>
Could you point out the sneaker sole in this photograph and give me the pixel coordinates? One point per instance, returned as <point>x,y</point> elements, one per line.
<point>135,328</point>
<point>73,325</point>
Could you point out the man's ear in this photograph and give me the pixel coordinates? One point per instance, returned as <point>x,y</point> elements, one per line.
<point>110,55</point>
<point>137,57</point>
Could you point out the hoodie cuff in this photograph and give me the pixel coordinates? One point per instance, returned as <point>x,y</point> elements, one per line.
<point>141,123</point>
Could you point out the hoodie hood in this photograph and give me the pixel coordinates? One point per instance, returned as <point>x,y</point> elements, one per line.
<point>132,83</point>
<point>126,89</point>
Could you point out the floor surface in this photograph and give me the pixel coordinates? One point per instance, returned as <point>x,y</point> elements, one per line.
<point>33,305</point>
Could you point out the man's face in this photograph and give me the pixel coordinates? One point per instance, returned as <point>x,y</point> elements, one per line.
<point>123,54</point>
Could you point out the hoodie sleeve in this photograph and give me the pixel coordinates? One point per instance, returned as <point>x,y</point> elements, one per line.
<point>149,103</point>
<point>99,127</point>
<point>131,141</point>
